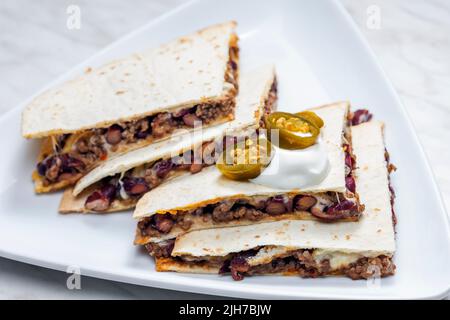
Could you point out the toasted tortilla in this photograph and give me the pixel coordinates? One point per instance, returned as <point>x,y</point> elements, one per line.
<point>209,186</point>
<point>254,89</point>
<point>181,73</point>
<point>343,243</point>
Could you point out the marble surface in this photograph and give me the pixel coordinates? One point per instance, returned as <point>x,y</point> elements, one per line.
<point>411,41</point>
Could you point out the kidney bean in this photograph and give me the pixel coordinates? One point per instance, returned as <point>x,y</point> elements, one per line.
<point>319,213</point>
<point>350,184</point>
<point>42,167</point>
<point>109,191</point>
<point>304,203</point>
<point>349,160</point>
<point>233,64</point>
<point>101,199</point>
<point>236,275</point>
<point>163,167</point>
<point>159,250</point>
<point>289,205</point>
<point>189,119</point>
<point>162,124</point>
<point>135,186</point>
<point>97,202</point>
<point>142,224</point>
<point>229,141</point>
<point>114,134</point>
<point>239,264</point>
<point>139,189</point>
<point>209,152</point>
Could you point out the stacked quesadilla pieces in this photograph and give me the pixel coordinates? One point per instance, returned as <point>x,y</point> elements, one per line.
<point>133,102</point>
<point>306,248</point>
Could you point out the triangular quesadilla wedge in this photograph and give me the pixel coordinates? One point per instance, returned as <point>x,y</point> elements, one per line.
<point>209,200</point>
<point>118,184</point>
<point>359,250</point>
<point>132,102</point>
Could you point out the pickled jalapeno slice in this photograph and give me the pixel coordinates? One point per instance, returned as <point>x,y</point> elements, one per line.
<point>294,131</point>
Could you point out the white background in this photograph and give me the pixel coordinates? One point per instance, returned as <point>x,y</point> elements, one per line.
<point>412,44</point>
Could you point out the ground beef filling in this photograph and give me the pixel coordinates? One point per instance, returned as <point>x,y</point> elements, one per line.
<point>298,262</point>
<point>96,144</point>
<point>95,147</point>
<point>353,119</point>
<point>326,206</point>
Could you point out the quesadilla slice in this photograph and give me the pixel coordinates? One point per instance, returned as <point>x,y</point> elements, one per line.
<point>119,183</point>
<point>209,200</point>
<point>133,102</point>
<point>359,250</point>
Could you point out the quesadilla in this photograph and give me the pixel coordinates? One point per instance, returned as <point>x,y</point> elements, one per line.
<point>359,250</point>
<point>118,184</point>
<point>209,200</point>
<point>133,102</point>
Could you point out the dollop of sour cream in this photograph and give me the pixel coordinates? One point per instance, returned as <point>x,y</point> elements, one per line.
<point>295,169</point>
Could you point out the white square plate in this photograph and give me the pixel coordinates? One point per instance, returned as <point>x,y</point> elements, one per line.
<point>320,57</point>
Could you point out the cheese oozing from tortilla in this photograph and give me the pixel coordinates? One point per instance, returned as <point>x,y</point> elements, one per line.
<point>296,169</point>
